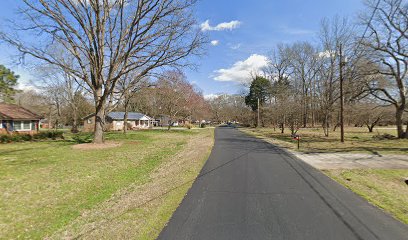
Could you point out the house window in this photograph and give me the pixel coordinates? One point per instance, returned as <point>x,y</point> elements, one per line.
<point>22,125</point>
<point>1,124</point>
<point>89,121</point>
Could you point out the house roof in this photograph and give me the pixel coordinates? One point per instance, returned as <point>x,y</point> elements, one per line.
<point>14,112</point>
<point>131,116</point>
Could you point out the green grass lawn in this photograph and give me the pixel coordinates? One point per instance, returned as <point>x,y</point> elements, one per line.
<point>382,187</point>
<point>48,187</point>
<point>356,140</point>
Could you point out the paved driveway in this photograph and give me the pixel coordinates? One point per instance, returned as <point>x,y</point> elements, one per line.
<point>250,189</point>
<point>354,160</point>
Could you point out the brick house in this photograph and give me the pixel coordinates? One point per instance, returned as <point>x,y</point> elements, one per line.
<point>115,121</point>
<point>16,119</point>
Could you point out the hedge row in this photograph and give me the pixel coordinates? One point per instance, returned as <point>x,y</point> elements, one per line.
<point>27,137</point>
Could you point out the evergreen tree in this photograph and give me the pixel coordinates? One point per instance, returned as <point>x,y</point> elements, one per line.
<point>8,82</point>
<point>260,89</point>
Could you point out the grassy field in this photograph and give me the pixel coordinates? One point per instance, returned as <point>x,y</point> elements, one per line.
<point>51,190</point>
<point>382,187</point>
<point>356,140</point>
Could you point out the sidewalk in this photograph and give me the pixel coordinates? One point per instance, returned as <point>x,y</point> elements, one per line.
<point>353,160</point>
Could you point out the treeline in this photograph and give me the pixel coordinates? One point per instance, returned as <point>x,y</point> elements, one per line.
<point>64,103</point>
<point>170,94</point>
<point>363,66</point>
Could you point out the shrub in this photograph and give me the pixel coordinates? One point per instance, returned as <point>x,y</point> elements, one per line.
<point>49,135</point>
<point>82,138</point>
<point>16,137</point>
<point>26,137</point>
<point>202,125</point>
<point>188,125</point>
<point>5,138</point>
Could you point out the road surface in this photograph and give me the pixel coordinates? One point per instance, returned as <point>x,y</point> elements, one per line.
<point>250,189</point>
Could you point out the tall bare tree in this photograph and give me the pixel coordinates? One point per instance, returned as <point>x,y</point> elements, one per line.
<point>174,93</point>
<point>107,39</point>
<point>305,63</point>
<point>280,69</point>
<point>386,45</point>
<point>333,33</point>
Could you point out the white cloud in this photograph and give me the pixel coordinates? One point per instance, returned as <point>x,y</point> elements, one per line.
<point>326,54</point>
<point>205,26</point>
<point>26,87</point>
<point>235,46</point>
<point>210,96</point>
<point>241,70</point>
<point>215,42</point>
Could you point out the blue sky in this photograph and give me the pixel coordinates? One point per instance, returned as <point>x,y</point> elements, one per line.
<point>241,45</point>
<point>264,23</point>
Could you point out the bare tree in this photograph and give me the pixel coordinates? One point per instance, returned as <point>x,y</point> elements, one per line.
<point>174,93</point>
<point>230,108</point>
<point>333,33</point>
<point>107,39</point>
<point>369,114</point>
<point>33,100</point>
<point>128,86</point>
<point>386,46</point>
<point>64,93</point>
<point>305,63</point>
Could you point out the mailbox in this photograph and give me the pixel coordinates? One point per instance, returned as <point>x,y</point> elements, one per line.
<point>297,138</point>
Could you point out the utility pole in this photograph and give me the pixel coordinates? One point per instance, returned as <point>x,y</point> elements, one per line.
<point>341,95</point>
<point>258,115</point>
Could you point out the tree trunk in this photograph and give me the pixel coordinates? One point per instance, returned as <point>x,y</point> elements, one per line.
<point>49,119</point>
<point>399,122</point>
<point>74,128</point>
<point>305,115</point>
<point>99,118</point>
<point>326,124</point>
<point>283,125</point>
<point>170,122</point>
<point>125,118</point>
<point>406,131</point>
<point>99,122</point>
<point>335,127</point>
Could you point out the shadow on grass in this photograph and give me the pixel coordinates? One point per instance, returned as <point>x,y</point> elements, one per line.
<point>311,143</point>
<point>16,151</point>
<point>82,138</point>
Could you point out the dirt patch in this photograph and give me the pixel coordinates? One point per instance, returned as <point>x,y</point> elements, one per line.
<point>133,142</point>
<point>94,146</point>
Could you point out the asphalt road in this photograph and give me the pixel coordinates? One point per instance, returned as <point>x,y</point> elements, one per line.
<point>250,189</point>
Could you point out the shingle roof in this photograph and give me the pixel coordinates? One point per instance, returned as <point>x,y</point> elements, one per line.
<point>121,115</point>
<point>14,112</point>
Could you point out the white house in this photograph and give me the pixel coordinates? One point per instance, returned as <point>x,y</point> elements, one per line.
<point>115,121</point>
